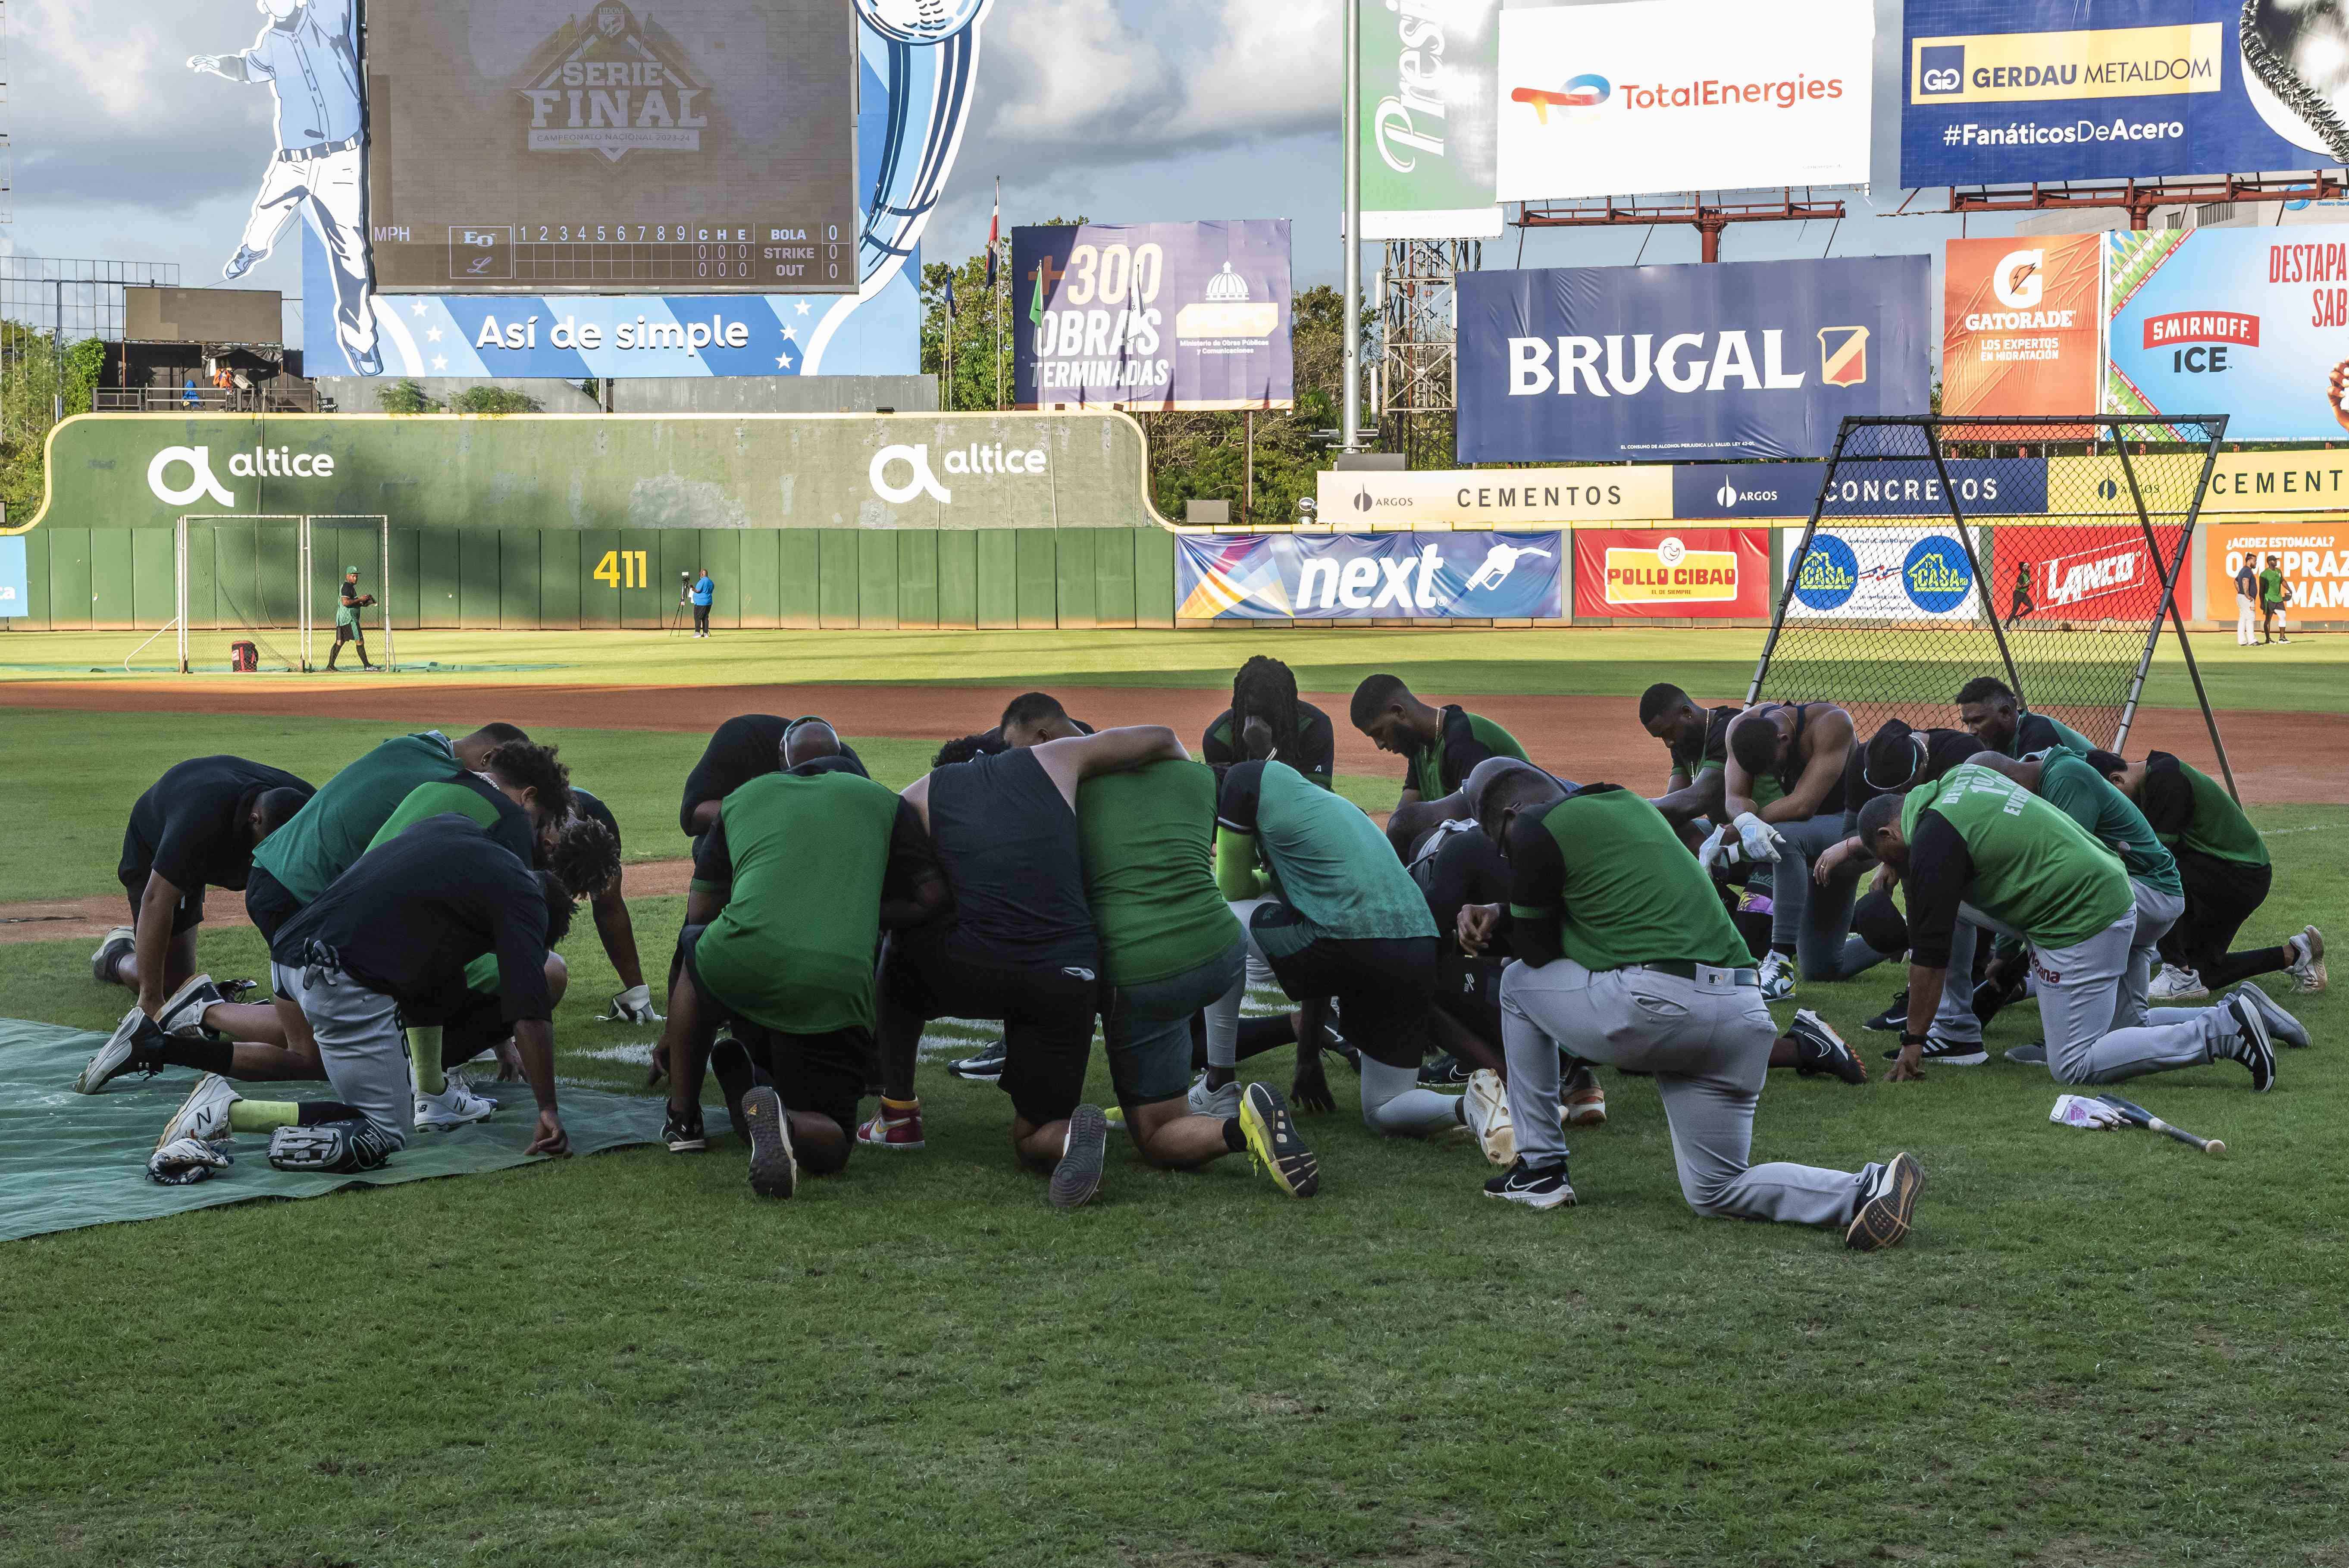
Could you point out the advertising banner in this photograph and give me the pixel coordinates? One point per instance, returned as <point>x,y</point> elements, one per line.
<point>1430,97</point>
<point>2012,90</point>
<point>1152,316</point>
<point>2313,557</point>
<point>2022,326</point>
<point>1881,574</point>
<point>1901,487</point>
<point>2247,322</point>
<point>2240,482</point>
<point>2081,572</point>
<point>1509,497</point>
<point>1364,577</point>
<point>1745,359</point>
<point>1676,95</point>
<point>15,589</point>
<point>1721,573</point>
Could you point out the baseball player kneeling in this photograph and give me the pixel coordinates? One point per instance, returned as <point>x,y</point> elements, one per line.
<point>1625,956</point>
<point>2022,867</point>
<point>393,933</point>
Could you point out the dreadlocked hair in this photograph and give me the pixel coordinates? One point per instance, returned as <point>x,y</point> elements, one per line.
<point>1267,689</point>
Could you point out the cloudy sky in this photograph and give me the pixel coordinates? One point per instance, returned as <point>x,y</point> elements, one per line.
<point>1098,107</point>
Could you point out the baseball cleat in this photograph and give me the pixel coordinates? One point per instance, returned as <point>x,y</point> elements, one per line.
<point>103,963</point>
<point>774,1168</point>
<point>2033,1055</point>
<point>1819,1049</point>
<point>2252,1047</point>
<point>1585,1106</point>
<point>337,1148</point>
<point>1273,1142</point>
<point>2307,952</point>
<point>886,1129</point>
<point>2285,1030</point>
<point>1881,1218</point>
<point>1777,977</point>
<point>131,1048</point>
<point>1223,1104</point>
<point>1445,1073</point>
<point>1893,1019</point>
<point>984,1068</point>
<point>455,1106</point>
<point>1541,1187</point>
<point>183,1014</point>
<point>1077,1176</point>
<point>203,1115</point>
<point>1948,1053</point>
<point>682,1131</point>
<point>1487,1109</point>
<point>2176,983</point>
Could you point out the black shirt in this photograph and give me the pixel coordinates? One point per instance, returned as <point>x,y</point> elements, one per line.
<point>1461,748</point>
<point>411,914</point>
<point>1316,748</point>
<point>1008,843</point>
<point>1941,748</point>
<point>1940,867</point>
<point>1690,754</point>
<point>1461,867</point>
<point>190,826</point>
<point>749,746</point>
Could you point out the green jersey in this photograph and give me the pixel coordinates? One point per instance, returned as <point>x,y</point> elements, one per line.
<point>1328,860</point>
<point>802,857</point>
<point>467,795</point>
<point>2035,733</point>
<point>2081,793</point>
<point>1622,888</point>
<point>2192,813</point>
<point>2270,587</point>
<point>1462,739</point>
<point>341,820</point>
<point>1150,879</point>
<point>2034,869</point>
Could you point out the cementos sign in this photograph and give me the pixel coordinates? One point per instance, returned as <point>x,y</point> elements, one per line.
<point>1754,359</point>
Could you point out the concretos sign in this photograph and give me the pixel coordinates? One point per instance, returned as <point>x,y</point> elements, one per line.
<point>1360,500</point>
<point>1902,488</point>
<point>1703,572</point>
<point>641,471</point>
<point>1671,95</point>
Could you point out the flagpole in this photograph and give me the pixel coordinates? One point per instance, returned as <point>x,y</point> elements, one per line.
<point>996,295</point>
<point>1351,120</point>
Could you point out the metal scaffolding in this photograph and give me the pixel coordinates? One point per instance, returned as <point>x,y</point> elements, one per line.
<point>1414,391</point>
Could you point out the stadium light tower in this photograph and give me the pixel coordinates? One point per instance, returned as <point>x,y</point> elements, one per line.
<point>1351,419</point>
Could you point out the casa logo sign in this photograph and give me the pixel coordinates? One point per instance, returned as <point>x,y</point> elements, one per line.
<point>1829,574</point>
<point>1937,574</point>
<point>613,85</point>
<point>196,462</point>
<point>1671,571</point>
<point>921,478</point>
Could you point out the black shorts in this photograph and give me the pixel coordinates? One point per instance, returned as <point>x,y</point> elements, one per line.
<point>1047,1013</point>
<point>349,634</point>
<point>268,903</point>
<point>821,1075</point>
<point>2220,894</point>
<point>186,915</point>
<point>1469,990</point>
<point>1384,985</point>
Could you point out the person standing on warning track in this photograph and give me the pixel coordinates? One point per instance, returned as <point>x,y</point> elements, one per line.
<point>2022,604</point>
<point>2247,602</point>
<point>308,53</point>
<point>348,628</point>
<point>704,591</point>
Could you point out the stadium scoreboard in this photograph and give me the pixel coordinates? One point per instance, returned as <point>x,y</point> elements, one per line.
<point>598,146</point>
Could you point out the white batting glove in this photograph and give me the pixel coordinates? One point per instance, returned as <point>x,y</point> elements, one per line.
<point>2079,1111</point>
<point>1721,850</point>
<point>633,1006</point>
<point>185,1162</point>
<point>1759,840</point>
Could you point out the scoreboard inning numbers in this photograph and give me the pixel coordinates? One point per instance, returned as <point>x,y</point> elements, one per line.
<point>610,146</point>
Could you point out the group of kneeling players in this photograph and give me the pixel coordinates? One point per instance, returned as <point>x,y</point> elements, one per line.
<point>1520,928</point>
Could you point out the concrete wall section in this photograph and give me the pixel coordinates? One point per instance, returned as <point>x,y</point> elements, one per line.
<point>358,394</point>
<point>774,393</point>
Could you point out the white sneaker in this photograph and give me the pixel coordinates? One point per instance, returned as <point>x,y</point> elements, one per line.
<point>2308,961</point>
<point>1223,1104</point>
<point>1486,1107</point>
<point>2175,984</point>
<point>203,1115</point>
<point>454,1105</point>
<point>1777,977</point>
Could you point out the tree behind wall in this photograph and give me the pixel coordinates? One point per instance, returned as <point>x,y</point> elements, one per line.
<point>32,375</point>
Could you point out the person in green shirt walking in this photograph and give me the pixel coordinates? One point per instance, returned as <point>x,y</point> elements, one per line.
<point>2274,594</point>
<point>1977,837</point>
<point>348,628</point>
<point>1439,746</point>
<point>2224,864</point>
<point>1626,956</point>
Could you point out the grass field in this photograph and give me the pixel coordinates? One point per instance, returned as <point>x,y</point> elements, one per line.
<point>2096,1349</point>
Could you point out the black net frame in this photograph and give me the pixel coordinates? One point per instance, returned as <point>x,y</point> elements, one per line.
<point>2045,552</point>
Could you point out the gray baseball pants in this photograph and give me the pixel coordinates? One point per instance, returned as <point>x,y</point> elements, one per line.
<point>2082,990</point>
<point>1707,1041</point>
<point>359,1042</point>
<point>2156,911</point>
<point>1816,920</point>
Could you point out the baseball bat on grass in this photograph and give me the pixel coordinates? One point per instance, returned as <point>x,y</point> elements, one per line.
<point>2137,1116</point>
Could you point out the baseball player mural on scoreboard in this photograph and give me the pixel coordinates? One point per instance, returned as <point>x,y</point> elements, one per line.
<point>308,53</point>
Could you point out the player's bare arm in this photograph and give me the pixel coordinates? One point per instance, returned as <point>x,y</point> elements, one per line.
<point>156,907</point>
<point>1828,737</point>
<point>535,1038</point>
<point>1069,762</point>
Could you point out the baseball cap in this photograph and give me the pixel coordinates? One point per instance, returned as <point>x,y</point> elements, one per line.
<point>350,571</point>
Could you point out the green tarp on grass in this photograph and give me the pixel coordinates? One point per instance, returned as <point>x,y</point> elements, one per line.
<point>70,1160</point>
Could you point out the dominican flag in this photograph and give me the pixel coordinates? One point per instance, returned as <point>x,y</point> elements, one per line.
<point>994,231</point>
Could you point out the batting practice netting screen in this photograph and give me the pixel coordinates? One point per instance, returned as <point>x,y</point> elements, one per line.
<point>2043,551</point>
